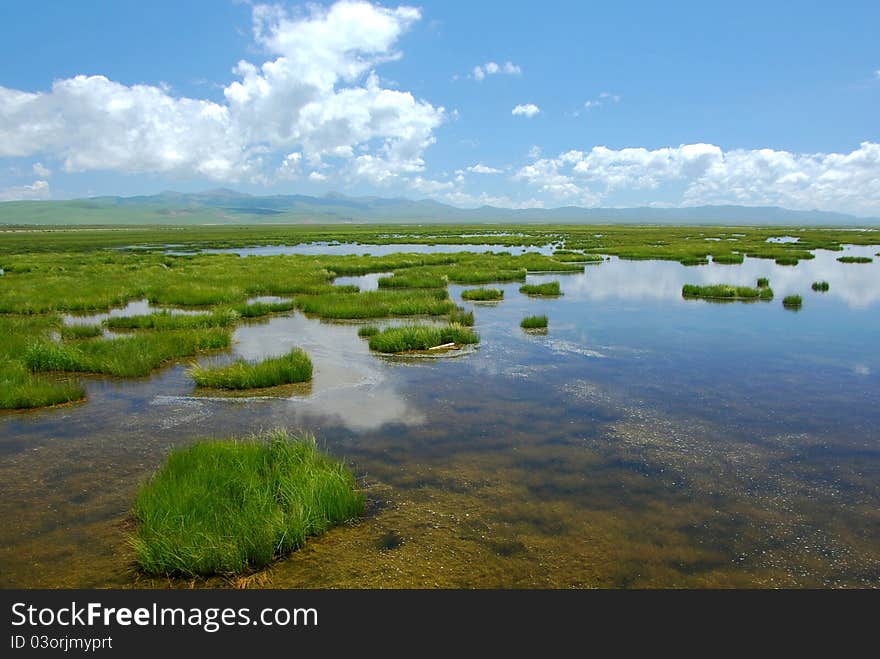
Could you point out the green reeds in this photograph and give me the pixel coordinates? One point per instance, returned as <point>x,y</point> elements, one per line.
<point>792,302</point>
<point>295,366</point>
<point>534,322</point>
<point>406,279</point>
<point>164,320</point>
<point>129,356</point>
<point>367,331</point>
<point>482,294</point>
<point>459,316</point>
<point>74,332</point>
<point>226,507</point>
<point>821,286</point>
<point>855,259</point>
<point>377,304</point>
<point>787,260</point>
<point>20,389</point>
<point>550,289</point>
<point>726,292</point>
<point>421,337</point>
<point>258,309</point>
<point>763,282</point>
<point>728,259</point>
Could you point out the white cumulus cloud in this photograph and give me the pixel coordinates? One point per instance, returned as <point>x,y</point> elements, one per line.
<point>480,168</point>
<point>480,72</point>
<point>527,110</point>
<point>316,95</point>
<point>36,190</point>
<point>696,174</point>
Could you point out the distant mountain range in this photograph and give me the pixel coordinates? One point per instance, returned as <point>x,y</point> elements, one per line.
<point>225,206</point>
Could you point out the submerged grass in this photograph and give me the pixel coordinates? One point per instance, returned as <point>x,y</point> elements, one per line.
<point>129,356</point>
<point>726,292</point>
<point>550,289</point>
<point>855,259</point>
<point>821,286</point>
<point>482,294</point>
<point>534,322</point>
<point>295,366</point>
<point>421,337</point>
<point>226,507</point>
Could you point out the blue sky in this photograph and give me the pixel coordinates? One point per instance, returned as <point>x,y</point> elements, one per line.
<point>620,104</point>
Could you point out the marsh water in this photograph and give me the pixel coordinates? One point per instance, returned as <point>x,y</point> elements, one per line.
<point>644,440</point>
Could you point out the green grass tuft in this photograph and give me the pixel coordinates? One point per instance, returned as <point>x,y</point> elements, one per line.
<point>164,320</point>
<point>73,332</point>
<point>420,337</point>
<point>787,260</point>
<point>259,309</point>
<point>226,507</point>
<point>534,322</point>
<point>129,356</point>
<point>482,294</point>
<point>763,282</point>
<point>295,366</point>
<point>550,289</point>
<point>730,259</point>
<point>726,292</point>
<point>459,316</point>
<point>792,301</point>
<point>20,389</point>
<point>855,259</point>
<point>821,286</point>
<point>368,331</point>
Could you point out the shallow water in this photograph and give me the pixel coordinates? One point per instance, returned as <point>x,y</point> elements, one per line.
<point>645,440</point>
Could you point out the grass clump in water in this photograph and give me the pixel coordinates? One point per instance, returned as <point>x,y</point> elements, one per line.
<point>367,331</point>
<point>482,294</point>
<point>787,260</point>
<point>763,282</point>
<point>164,320</point>
<point>792,302</point>
<point>421,337</point>
<point>295,366</point>
<point>74,332</point>
<point>459,316</point>
<point>550,289</point>
<point>855,259</point>
<point>258,309</point>
<point>728,259</point>
<point>129,356</point>
<point>20,389</point>
<point>226,507</point>
<point>534,322</point>
<point>377,304</point>
<point>821,286</point>
<point>726,292</point>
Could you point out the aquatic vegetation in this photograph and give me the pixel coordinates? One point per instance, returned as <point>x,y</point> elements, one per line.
<point>821,286</point>
<point>411,279</point>
<point>855,259</point>
<point>550,289</point>
<point>164,320</point>
<point>792,302</point>
<point>570,256</point>
<point>694,260</point>
<point>295,366</point>
<point>73,332</point>
<point>421,337</point>
<point>367,331</point>
<point>377,304</point>
<point>786,260</point>
<point>20,389</point>
<point>763,282</point>
<point>476,275</point>
<point>482,294</point>
<point>534,322</point>
<point>459,316</point>
<point>259,309</point>
<point>226,507</point>
<point>726,292</point>
<point>129,356</point>
<point>731,259</point>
